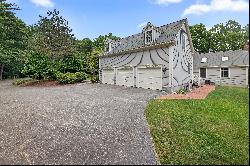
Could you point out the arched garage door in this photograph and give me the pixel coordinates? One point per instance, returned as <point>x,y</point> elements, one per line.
<point>108,76</point>
<point>125,76</point>
<point>149,77</point>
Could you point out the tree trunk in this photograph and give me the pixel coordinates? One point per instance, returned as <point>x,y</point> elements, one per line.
<point>1,71</point>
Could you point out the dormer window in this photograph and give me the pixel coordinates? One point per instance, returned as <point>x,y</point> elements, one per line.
<point>151,33</point>
<point>149,37</point>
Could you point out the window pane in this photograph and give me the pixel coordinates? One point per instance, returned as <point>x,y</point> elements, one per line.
<point>203,72</point>
<point>224,72</point>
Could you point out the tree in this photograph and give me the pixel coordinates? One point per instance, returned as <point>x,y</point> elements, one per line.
<point>99,43</point>
<point>221,37</point>
<point>13,40</point>
<point>52,36</point>
<point>227,37</point>
<point>84,48</point>
<point>93,64</point>
<point>246,32</point>
<point>201,38</point>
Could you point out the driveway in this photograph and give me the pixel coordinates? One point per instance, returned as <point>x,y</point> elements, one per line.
<point>74,124</point>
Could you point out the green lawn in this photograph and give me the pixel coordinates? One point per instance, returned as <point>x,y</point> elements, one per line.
<point>210,131</point>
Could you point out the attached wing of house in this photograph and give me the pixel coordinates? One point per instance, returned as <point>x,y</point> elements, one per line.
<point>223,68</point>
<point>157,58</point>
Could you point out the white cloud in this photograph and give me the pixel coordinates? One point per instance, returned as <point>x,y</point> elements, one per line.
<point>43,3</point>
<point>142,25</point>
<point>217,5</point>
<point>165,2</point>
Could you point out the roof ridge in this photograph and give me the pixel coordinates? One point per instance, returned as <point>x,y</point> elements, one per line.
<point>156,27</point>
<point>217,52</point>
<point>173,22</point>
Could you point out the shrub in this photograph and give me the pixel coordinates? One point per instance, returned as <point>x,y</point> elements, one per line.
<point>38,66</point>
<point>23,81</point>
<point>94,78</point>
<point>71,64</point>
<point>70,78</point>
<point>181,91</point>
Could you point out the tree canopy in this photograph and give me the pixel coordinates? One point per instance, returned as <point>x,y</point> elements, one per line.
<point>221,37</point>
<point>52,35</point>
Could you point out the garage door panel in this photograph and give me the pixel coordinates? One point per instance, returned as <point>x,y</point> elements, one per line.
<point>125,77</point>
<point>149,78</point>
<point>108,76</point>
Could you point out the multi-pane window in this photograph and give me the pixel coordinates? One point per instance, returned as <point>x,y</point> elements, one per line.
<point>203,72</point>
<point>224,72</point>
<point>149,36</point>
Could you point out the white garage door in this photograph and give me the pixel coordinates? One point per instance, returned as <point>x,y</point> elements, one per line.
<point>149,78</point>
<point>125,76</point>
<point>108,76</point>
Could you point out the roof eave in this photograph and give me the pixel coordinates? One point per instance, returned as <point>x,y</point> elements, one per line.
<point>166,44</point>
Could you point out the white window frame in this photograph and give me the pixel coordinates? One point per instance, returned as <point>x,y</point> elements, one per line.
<point>200,72</point>
<point>152,36</point>
<point>228,72</point>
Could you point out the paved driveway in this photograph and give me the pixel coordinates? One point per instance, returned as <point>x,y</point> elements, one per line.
<point>76,124</point>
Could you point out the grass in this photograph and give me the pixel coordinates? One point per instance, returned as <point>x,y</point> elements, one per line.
<point>211,131</point>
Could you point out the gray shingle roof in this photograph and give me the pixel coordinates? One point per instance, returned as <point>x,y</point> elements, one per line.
<point>167,34</point>
<point>235,58</point>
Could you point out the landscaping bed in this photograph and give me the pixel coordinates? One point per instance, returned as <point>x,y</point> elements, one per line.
<point>196,93</point>
<point>210,131</point>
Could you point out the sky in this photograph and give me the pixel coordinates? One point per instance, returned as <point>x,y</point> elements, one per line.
<point>91,18</point>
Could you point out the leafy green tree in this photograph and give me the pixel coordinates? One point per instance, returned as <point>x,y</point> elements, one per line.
<point>221,37</point>
<point>93,64</point>
<point>201,38</point>
<point>52,36</point>
<point>99,43</point>
<point>84,48</point>
<point>72,64</point>
<point>227,37</point>
<point>13,40</point>
<point>246,32</point>
<point>38,66</point>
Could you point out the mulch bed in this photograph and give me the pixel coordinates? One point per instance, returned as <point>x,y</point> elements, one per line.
<point>42,83</point>
<point>196,93</point>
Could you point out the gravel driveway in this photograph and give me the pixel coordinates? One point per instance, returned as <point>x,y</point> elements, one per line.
<point>74,124</point>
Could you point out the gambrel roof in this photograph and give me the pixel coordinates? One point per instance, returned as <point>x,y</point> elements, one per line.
<point>214,59</point>
<point>167,34</point>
